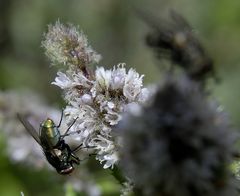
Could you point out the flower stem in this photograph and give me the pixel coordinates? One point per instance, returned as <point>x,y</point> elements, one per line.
<point>116,172</point>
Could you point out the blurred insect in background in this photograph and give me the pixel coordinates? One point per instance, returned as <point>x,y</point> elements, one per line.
<point>174,38</point>
<point>57,152</point>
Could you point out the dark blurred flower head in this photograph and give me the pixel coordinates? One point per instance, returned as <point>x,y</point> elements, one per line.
<point>174,38</point>
<point>179,144</point>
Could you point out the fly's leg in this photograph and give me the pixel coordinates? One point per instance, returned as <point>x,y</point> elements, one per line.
<point>74,159</point>
<point>66,133</point>
<point>77,148</point>
<point>60,122</point>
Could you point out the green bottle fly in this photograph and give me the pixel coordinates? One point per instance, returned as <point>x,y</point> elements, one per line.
<point>57,152</point>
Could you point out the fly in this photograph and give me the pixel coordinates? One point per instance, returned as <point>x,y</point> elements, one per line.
<point>56,150</point>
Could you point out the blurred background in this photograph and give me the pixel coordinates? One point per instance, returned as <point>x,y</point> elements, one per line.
<point>113,30</point>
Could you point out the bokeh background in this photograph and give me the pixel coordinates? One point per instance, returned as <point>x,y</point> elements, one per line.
<point>115,31</point>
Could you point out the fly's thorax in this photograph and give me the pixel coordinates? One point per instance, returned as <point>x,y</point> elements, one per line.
<point>63,165</point>
<point>57,152</point>
<point>61,154</point>
<point>49,134</point>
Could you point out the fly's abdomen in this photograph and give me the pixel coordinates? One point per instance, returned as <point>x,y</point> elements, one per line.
<point>49,135</point>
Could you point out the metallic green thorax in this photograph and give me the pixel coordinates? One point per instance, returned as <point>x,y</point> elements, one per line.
<point>49,134</point>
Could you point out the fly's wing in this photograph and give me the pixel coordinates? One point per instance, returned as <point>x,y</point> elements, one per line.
<point>31,130</point>
<point>180,21</point>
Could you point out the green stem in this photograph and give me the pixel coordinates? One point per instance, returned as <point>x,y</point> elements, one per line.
<point>116,172</point>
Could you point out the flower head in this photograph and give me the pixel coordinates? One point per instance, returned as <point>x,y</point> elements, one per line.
<point>95,98</point>
<point>98,102</point>
<point>178,144</point>
<point>64,44</point>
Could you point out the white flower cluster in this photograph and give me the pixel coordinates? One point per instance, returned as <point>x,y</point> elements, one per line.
<point>95,98</point>
<point>97,104</point>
